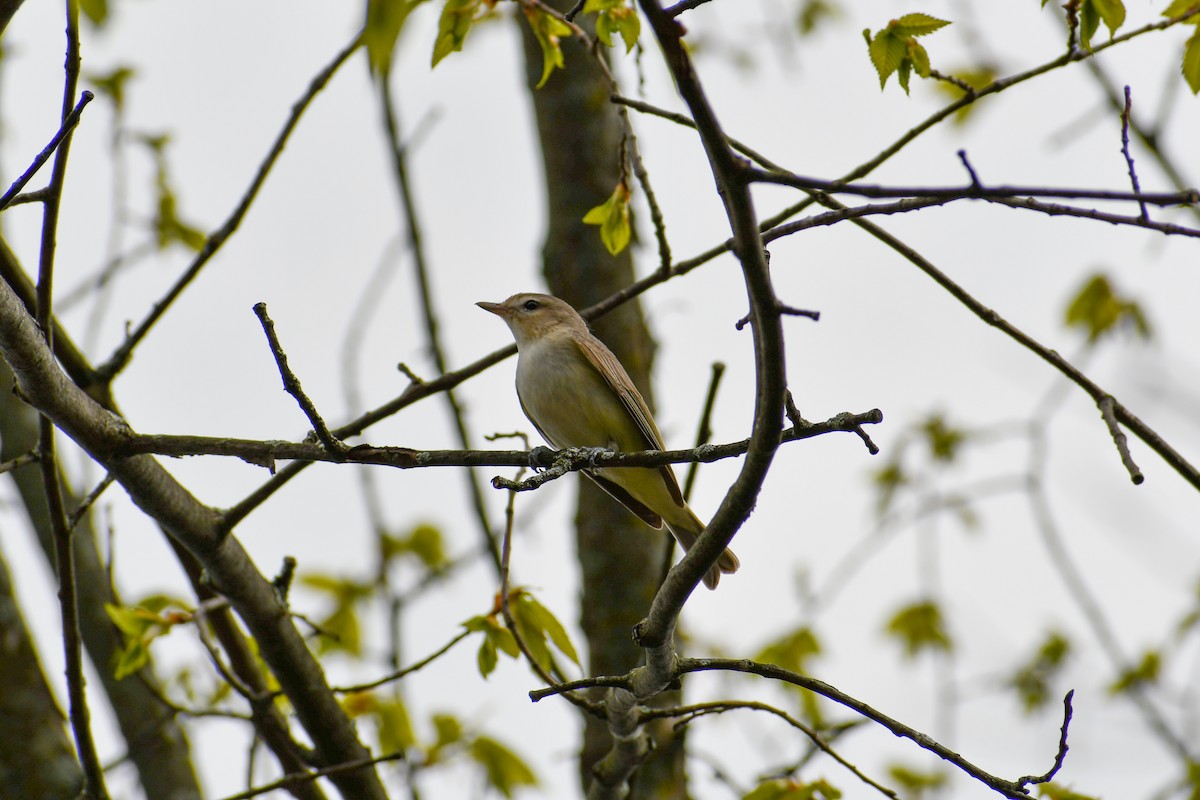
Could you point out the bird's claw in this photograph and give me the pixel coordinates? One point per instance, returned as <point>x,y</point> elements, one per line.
<point>540,458</point>
<point>595,452</point>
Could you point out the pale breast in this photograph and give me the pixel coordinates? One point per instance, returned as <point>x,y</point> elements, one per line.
<point>568,401</point>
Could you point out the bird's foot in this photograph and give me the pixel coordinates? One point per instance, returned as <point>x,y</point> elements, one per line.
<point>595,452</point>
<point>540,458</point>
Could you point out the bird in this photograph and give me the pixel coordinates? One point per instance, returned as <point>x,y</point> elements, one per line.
<point>577,394</point>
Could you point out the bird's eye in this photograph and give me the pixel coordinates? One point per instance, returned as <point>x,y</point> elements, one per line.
<point>531,305</point>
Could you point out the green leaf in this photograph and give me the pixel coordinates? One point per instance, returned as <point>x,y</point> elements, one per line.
<point>942,439</point>
<point>496,639</point>
<point>781,789</point>
<point>140,625</point>
<point>550,624</point>
<point>132,657</point>
<point>1089,23</point>
<point>505,770</point>
<point>1178,8</point>
<point>919,58</point>
<point>1191,618</point>
<point>813,14</point>
<point>1112,12</point>
<point>792,651</point>
<point>385,19</point>
<point>902,74</point>
<point>1146,671</point>
<point>916,25</point>
<point>457,18</point>
<point>888,480</point>
<point>1191,62</point>
<point>976,78</point>
<point>112,85</point>
<point>1056,791</point>
<point>1032,680</point>
<point>887,53</point>
<point>533,635</point>
<point>424,542</point>
<point>487,658</point>
<point>920,627</point>
<point>342,630</point>
<point>915,781</point>
<point>614,16</point>
<point>548,30</point>
<point>96,11</point>
<point>613,218</point>
<point>168,226</point>
<point>395,727</point>
<point>447,729</point>
<point>1099,310</point>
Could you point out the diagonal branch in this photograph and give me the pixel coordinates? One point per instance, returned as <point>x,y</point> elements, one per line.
<point>197,528</point>
<point>121,356</point>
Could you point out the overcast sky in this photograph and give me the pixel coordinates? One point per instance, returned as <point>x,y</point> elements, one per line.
<point>220,79</point>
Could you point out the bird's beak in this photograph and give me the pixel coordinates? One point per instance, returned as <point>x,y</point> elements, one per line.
<point>499,309</point>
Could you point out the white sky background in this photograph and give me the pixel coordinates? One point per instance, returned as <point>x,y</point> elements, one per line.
<point>220,78</point>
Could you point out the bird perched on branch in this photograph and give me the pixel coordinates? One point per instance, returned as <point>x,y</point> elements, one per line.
<point>577,394</point>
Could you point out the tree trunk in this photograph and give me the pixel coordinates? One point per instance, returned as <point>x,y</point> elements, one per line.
<point>620,557</point>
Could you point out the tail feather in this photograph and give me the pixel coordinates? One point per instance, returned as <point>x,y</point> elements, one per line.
<point>727,563</point>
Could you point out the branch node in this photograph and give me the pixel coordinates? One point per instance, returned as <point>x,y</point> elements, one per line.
<point>291,385</point>
<point>966,162</point>
<point>1107,406</point>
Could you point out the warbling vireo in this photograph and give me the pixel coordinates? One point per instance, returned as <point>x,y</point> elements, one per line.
<point>577,394</point>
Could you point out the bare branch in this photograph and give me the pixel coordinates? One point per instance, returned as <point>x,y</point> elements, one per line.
<point>67,126</point>
<point>291,385</point>
<point>121,356</point>
<point>1061,755</point>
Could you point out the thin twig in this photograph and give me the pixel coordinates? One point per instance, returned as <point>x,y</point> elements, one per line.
<point>291,385</point>
<point>505,560</point>
<point>400,673</point>
<point>703,434</point>
<point>93,771</point>
<point>121,356</point>
<point>1011,789</point>
<point>86,504</point>
<point>293,779</point>
<point>1059,756</point>
<point>1133,178</point>
<point>1105,405</point>
<point>433,338</point>
<point>700,709</point>
<point>68,124</point>
<point>26,458</point>
<point>971,190</point>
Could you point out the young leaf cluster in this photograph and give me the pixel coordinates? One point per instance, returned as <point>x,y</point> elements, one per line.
<point>537,626</point>
<point>1099,310</point>
<point>794,790</point>
<point>615,16</point>
<point>140,624</point>
<point>613,218</point>
<point>895,49</point>
<point>920,627</point>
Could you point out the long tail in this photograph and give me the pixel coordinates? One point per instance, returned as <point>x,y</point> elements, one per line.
<point>686,536</point>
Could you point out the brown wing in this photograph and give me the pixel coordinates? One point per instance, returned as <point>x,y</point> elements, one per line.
<point>610,369</point>
<point>626,499</point>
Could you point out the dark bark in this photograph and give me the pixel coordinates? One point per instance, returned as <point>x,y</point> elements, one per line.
<point>620,557</point>
<point>157,745</point>
<point>37,761</point>
<point>7,9</point>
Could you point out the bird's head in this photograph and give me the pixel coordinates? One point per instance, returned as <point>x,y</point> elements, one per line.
<point>534,316</point>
